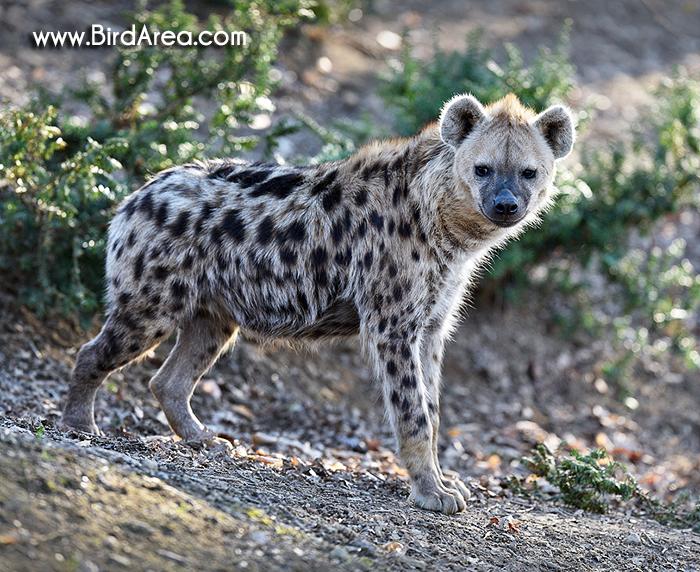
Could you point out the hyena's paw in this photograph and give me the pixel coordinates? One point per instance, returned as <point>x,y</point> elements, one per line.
<point>431,494</point>
<point>451,480</point>
<point>68,423</point>
<point>208,440</point>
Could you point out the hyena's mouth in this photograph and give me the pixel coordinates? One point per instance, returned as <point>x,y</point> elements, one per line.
<point>503,221</point>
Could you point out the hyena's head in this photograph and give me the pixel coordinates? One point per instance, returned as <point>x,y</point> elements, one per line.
<point>505,156</point>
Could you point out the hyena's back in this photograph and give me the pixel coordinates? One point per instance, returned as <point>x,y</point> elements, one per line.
<point>252,245</point>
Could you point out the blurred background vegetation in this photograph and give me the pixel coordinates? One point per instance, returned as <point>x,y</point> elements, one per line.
<point>62,173</point>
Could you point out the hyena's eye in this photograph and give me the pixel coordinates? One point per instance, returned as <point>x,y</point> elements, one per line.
<point>529,173</point>
<point>482,170</point>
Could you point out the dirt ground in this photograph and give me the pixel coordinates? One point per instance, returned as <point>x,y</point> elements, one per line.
<point>77,503</point>
<point>313,483</point>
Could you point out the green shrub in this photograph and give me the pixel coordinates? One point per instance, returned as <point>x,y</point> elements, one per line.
<point>54,209</point>
<point>584,481</point>
<point>592,481</point>
<point>417,89</point>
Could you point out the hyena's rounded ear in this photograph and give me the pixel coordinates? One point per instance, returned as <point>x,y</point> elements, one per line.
<point>459,116</point>
<point>557,127</point>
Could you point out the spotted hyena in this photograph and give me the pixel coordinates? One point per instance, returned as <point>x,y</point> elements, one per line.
<point>383,244</point>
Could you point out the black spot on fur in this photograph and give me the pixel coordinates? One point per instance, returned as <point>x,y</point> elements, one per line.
<point>405,229</point>
<point>337,231</point>
<point>369,170</point>
<point>279,187</point>
<point>397,292</point>
<point>344,258</point>
<point>266,230</point>
<point>324,183</point>
<point>131,239</point>
<point>129,207</point>
<point>392,270</point>
<point>395,398</point>
<point>319,256</point>
<point>408,382</point>
<point>248,178</point>
<point>179,226</point>
<point>124,298</point>
<point>415,213</point>
<point>321,277</point>
<point>215,235</point>
<point>303,302</point>
<point>162,214</point>
<point>179,289</point>
<point>237,173</point>
<point>361,197</point>
<point>288,256</point>
<point>233,225</point>
<point>204,215</point>
<point>377,220</point>
<point>332,197</point>
<point>415,255</point>
<point>362,229</point>
<point>295,232</point>
<point>160,272</point>
<point>146,204</point>
<point>396,196</point>
<point>138,265</point>
<point>382,325</point>
<point>368,259</point>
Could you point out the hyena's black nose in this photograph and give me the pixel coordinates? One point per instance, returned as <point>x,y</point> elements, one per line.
<point>505,204</point>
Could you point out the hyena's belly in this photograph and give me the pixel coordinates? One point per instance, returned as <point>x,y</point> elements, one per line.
<point>292,313</point>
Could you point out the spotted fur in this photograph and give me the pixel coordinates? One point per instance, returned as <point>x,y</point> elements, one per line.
<point>383,244</point>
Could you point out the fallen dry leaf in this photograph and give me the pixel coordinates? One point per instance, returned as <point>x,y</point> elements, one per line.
<point>8,539</point>
<point>272,461</point>
<point>513,526</point>
<point>393,547</point>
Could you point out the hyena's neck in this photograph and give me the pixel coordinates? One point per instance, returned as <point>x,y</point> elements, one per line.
<point>414,179</point>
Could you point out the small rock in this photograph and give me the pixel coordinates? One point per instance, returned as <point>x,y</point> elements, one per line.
<point>633,538</point>
<point>259,537</point>
<point>339,553</point>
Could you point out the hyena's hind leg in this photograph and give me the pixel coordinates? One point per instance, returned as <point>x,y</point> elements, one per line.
<point>200,341</point>
<point>121,341</point>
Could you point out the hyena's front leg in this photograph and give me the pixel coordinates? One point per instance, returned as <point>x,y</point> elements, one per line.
<point>396,361</point>
<point>432,352</point>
